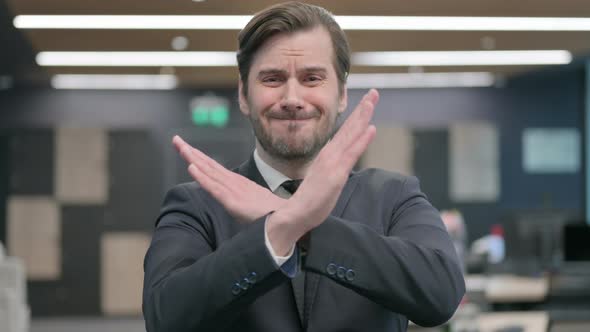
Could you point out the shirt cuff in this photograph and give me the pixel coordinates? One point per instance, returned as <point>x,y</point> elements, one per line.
<point>280,260</point>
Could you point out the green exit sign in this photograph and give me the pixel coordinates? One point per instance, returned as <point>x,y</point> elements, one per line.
<point>210,110</point>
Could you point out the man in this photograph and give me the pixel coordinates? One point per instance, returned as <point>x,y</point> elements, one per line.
<point>252,250</point>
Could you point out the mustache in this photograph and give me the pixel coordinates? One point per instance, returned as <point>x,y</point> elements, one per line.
<point>293,115</point>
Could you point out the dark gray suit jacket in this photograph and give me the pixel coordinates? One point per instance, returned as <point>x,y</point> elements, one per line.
<point>382,257</point>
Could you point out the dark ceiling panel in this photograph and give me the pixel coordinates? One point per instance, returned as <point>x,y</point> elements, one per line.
<point>200,40</point>
<point>574,8</point>
<point>20,54</point>
<point>16,57</point>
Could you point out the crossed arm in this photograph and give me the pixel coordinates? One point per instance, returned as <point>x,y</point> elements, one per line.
<point>316,196</point>
<point>415,259</point>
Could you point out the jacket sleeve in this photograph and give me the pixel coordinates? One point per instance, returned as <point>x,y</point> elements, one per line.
<point>412,269</point>
<point>193,284</point>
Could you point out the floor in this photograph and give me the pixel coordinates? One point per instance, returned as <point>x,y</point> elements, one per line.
<point>137,325</point>
<point>87,325</point>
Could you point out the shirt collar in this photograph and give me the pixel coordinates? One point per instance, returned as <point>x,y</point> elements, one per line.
<point>273,178</point>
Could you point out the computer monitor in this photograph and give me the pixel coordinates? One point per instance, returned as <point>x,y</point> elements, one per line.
<point>533,240</point>
<point>576,243</point>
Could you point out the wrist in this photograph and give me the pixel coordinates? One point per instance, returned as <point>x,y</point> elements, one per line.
<point>283,232</point>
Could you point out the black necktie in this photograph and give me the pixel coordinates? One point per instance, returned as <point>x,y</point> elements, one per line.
<point>291,185</point>
<point>299,281</point>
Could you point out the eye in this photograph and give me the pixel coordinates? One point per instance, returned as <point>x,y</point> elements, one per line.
<point>271,80</point>
<point>313,80</point>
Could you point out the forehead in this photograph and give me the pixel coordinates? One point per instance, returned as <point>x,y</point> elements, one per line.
<point>312,47</point>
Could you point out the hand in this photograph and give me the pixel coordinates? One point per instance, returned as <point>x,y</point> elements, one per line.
<point>245,200</point>
<point>327,175</point>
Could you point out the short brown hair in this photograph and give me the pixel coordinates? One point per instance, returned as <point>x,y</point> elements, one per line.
<point>290,17</point>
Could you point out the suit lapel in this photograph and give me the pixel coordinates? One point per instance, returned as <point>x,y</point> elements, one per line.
<point>249,170</point>
<point>345,195</point>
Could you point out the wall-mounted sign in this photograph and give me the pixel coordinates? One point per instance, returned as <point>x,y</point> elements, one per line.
<point>209,110</point>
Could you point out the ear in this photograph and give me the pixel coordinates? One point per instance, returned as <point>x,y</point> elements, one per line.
<point>242,99</point>
<point>343,102</point>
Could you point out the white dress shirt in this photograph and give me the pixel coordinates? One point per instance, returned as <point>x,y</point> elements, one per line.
<point>273,179</point>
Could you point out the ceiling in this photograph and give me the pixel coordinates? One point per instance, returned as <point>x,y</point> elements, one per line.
<point>222,40</point>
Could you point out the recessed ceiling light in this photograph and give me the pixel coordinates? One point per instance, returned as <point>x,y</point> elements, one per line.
<point>488,43</point>
<point>179,43</point>
<point>237,22</point>
<point>114,82</point>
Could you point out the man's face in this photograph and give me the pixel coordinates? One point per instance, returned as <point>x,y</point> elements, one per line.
<point>293,94</point>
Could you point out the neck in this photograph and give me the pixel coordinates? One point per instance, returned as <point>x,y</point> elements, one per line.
<point>294,169</point>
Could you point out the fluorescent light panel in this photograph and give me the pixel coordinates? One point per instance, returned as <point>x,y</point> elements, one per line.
<point>114,82</point>
<point>420,80</point>
<point>137,59</point>
<point>464,23</point>
<point>237,22</point>
<point>159,22</point>
<point>197,59</point>
<point>462,58</point>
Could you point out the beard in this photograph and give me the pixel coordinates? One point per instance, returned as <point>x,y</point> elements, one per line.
<point>290,148</point>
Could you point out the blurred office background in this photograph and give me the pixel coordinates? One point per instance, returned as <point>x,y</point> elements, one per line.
<point>497,138</point>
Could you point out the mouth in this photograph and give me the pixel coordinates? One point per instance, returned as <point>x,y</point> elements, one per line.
<point>291,125</point>
<point>291,120</point>
<point>292,117</point>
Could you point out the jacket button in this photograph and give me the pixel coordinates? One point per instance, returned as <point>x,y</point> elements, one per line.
<point>350,275</point>
<point>236,289</point>
<point>331,269</point>
<point>253,277</point>
<point>244,284</point>
<point>341,272</point>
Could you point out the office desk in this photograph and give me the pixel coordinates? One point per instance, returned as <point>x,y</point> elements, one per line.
<point>530,321</point>
<point>505,288</point>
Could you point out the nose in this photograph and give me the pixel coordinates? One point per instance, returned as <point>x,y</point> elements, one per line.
<point>292,100</point>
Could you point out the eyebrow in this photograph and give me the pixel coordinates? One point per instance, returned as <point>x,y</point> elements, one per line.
<point>275,71</point>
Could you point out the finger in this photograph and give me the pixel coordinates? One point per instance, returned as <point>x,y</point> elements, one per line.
<point>342,136</point>
<point>355,125</point>
<point>355,113</point>
<point>184,149</point>
<point>219,173</point>
<point>208,174</point>
<point>360,146</point>
<point>179,143</point>
<point>195,156</point>
<point>373,96</point>
<point>367,104</point>
<point>188,153</point>
<point>218,191</point>
<point>365,111</point>
<point>206,164</point>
